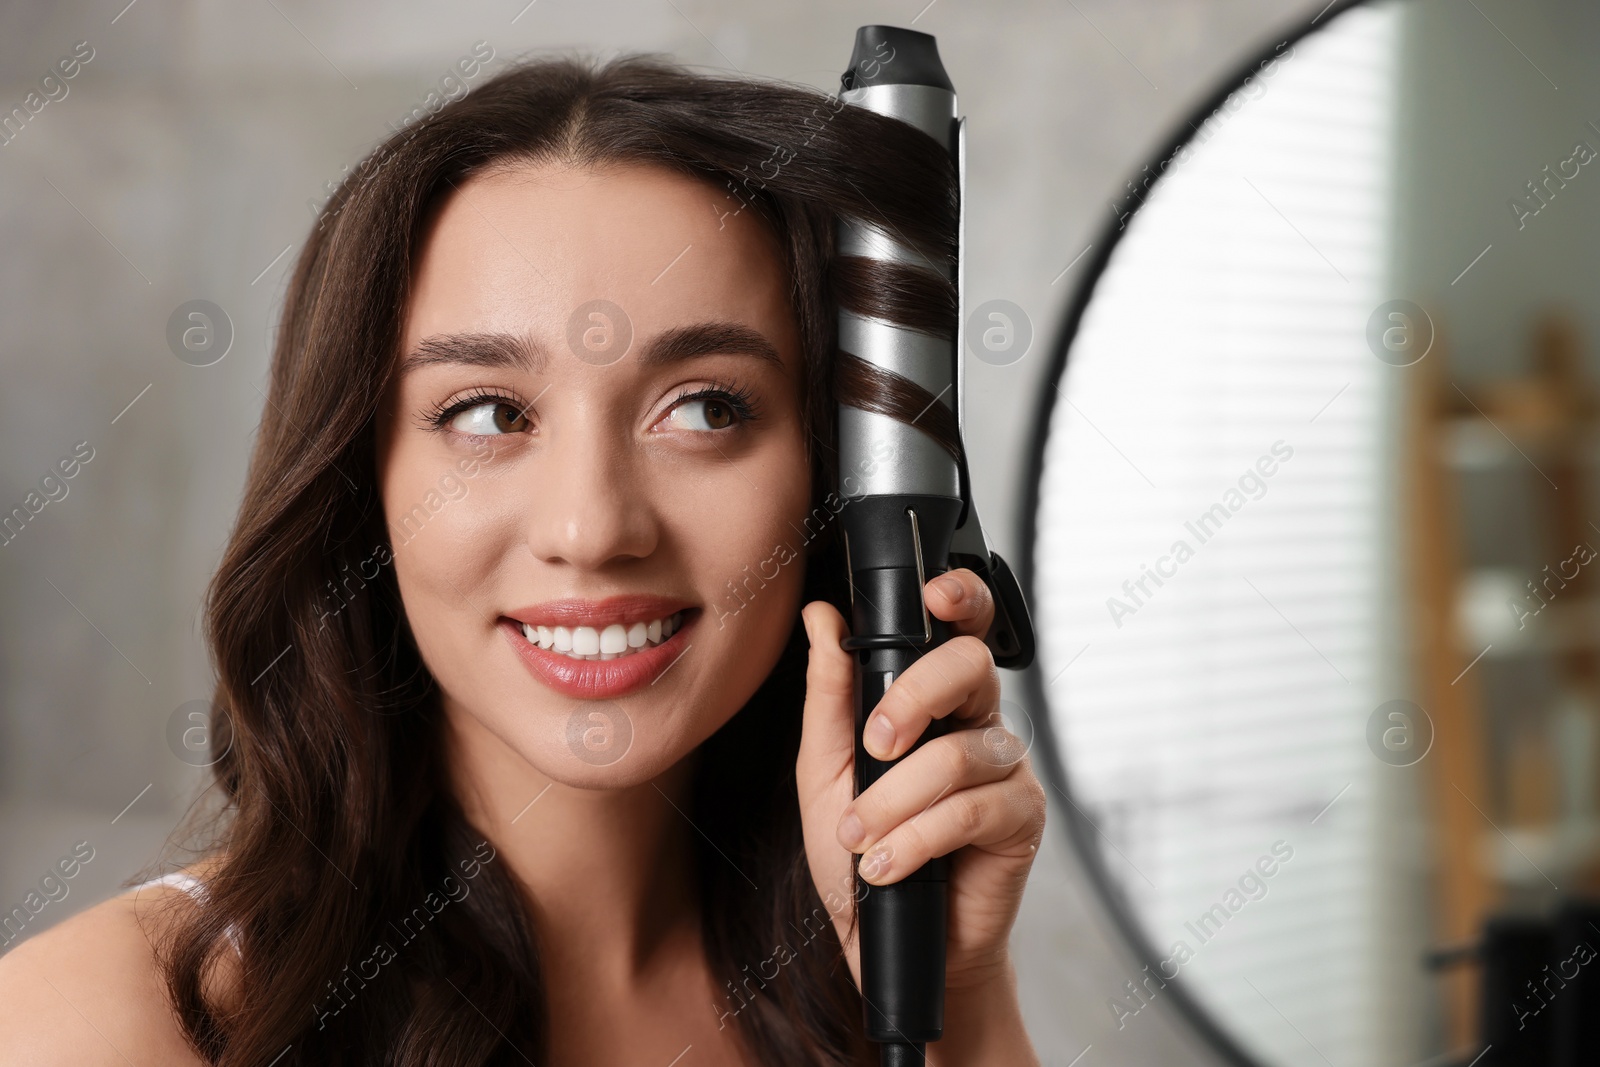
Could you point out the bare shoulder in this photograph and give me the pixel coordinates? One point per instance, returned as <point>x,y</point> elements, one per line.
<point>87,991</point>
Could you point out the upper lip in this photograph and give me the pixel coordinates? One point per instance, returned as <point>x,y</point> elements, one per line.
<point>622,610</point>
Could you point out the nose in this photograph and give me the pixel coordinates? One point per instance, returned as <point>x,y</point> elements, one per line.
<point>588,501</point>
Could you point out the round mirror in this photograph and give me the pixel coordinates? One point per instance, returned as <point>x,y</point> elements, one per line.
<point>1309,561</point>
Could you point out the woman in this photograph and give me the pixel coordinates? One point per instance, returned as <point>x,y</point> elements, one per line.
<point>524,757</point>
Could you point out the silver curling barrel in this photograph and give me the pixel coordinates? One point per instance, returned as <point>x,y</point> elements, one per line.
<point>897,535</point>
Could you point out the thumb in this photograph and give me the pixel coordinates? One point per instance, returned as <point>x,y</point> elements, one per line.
<point>827,733</point>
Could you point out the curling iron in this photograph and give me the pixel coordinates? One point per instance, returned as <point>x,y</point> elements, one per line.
<point>914,519</point>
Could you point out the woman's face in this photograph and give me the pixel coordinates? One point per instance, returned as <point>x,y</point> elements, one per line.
<point>548,478</point>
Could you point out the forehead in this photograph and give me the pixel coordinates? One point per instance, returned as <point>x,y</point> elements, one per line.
<point>521,248</point>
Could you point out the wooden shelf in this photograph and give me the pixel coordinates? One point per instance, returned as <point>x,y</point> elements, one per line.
<point>1549,422</point>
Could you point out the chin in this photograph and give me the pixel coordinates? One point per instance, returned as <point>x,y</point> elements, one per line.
<point>598,744</point>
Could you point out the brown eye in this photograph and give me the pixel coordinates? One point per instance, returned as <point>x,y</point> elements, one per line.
<point>720,408</point>
<point>489,418</point>
<point>508,419</point>
<point>706,413</point>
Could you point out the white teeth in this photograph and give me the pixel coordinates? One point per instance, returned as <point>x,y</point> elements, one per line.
<point>615,640</point>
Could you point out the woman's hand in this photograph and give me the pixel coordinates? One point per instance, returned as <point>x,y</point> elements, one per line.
<point>970,794</point>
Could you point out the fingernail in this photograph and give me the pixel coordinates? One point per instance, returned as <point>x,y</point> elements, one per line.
<point>879,737</point>
<point>875,864</point>
<point>950,587</point>
<point>851,832</point>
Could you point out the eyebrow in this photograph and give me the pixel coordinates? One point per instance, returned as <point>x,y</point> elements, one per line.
<point>511,351</point>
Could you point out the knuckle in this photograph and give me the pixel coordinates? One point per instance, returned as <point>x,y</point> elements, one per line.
<point>974,653</point>
<point>1001,747</point>
<point>967,814</point>
<point>870,807</point>
<point>905,697</point>
<point>956,753</point>
<point>911,838</point>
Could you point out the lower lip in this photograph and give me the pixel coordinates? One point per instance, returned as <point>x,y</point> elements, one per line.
<point>594,679</point>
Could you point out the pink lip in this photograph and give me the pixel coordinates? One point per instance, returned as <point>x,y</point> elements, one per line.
<point>574,611</point>
<point>599,679</point>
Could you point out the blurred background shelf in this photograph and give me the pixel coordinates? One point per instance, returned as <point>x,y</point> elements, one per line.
<point>1507,615</point>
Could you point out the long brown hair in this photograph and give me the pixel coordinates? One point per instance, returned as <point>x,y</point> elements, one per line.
<point>333,826</point>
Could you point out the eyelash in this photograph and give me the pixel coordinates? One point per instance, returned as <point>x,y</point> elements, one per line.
<point>446,410</point>
<point>737,397</point>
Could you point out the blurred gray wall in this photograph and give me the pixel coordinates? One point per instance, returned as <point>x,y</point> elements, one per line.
<point>1470,144</point>
<point>179,165</point>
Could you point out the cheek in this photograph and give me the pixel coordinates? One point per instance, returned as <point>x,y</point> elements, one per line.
<point>445,547</point>
<point>751,543</point>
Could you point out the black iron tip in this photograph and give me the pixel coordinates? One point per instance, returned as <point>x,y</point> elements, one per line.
<point>890,55</point>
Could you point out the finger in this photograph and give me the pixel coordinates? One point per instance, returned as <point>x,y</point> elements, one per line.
<point>827,729</point>
<point>962,599</point>
<point>996,817</point>
<point>943,766</point>
<point>957,677</point>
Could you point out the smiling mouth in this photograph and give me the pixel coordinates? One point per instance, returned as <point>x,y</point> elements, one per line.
<point>608,642</point>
